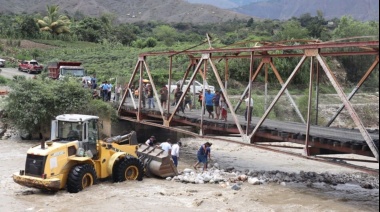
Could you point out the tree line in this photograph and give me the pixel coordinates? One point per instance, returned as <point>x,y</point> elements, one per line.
<point>116,46</point>
<point>157,36</point>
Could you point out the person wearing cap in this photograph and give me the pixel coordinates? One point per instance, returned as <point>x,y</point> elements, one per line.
<point>150,141</point>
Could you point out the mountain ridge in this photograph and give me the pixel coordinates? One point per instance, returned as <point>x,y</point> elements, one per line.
<point>128,10</point>
<point>199,11</point>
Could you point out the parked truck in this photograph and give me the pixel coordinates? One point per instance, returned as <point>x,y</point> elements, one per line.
<point>75,158</point>
<point>196,86</point>
<point>30,66</point>
<point>59,70</point>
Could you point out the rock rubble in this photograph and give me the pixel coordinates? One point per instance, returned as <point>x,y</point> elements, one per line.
<point>236,179</point>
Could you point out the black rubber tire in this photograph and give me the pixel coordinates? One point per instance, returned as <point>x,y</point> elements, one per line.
<point>19,69</point>
<point>129,168</point>
<point>80,177</point>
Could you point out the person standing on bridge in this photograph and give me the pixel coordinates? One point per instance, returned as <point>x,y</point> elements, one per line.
<point>209,99</point>
<point>248,108</point>
<point>223,106</point>
<point>200,99</point>
<point>118,93</point>
<point>216,101</point>
<point>164,97</point>
<point>109,91</point>
<point>150,98</point>
<point>177,97</point>
<point>188,101</point>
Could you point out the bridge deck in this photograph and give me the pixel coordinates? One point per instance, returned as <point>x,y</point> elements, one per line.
<point>329,139</point>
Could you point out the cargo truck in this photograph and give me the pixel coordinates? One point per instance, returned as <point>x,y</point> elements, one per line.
<point>59,70</point>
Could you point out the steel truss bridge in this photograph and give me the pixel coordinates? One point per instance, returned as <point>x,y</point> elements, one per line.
<point>316,140</point>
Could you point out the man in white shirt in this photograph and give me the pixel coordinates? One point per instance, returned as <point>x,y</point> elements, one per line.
<point>175,152</point>
<point>166,146</point>
<point>248,108</point>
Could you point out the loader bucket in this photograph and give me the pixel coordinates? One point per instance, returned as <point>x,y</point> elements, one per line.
<point>156,161</point>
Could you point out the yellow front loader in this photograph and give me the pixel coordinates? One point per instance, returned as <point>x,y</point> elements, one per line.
<point>75,158</point>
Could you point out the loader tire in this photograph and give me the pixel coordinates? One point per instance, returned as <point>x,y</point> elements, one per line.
<point>80,177</point>
<point>130,168</point>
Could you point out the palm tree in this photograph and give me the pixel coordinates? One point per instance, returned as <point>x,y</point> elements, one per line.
<point>54,23</point>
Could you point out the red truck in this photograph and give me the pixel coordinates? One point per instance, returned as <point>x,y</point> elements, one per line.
<point>62,69</point>
<point>30,66</point>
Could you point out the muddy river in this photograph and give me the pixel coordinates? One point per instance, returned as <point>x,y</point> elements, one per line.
<point>160,195</point>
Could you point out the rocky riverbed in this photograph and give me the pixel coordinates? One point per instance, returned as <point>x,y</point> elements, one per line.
<point>236,179</point>
<point>241,179</point>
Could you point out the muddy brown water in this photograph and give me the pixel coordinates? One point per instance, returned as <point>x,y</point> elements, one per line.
<point>160,195</point>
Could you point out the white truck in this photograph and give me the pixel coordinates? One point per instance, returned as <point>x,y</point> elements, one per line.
<point>196,86</point>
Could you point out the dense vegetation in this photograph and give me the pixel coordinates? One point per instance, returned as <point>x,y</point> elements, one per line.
<point>110,50</point>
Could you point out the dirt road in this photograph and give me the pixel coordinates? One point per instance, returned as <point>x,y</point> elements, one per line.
<point>10,72</point>
<point>161,195</point>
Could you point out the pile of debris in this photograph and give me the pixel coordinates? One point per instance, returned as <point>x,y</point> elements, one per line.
<point>235,179</point>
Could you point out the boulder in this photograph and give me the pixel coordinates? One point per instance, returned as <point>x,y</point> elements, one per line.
<point>254,181</point>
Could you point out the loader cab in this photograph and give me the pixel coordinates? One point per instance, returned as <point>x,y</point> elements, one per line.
<point>82,128</point>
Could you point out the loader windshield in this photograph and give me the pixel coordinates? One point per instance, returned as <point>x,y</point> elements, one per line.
<point>69,131</point>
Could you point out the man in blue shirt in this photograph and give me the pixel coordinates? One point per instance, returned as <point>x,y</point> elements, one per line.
<point>105,91</point>
<point>94,84</point>
<point>209,97</point>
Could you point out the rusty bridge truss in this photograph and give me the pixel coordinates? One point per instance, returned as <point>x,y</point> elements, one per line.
<point>316,139</point>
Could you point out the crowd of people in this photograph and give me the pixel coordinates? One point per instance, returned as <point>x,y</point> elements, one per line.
<point>214,103</point>
<point>104,90</point>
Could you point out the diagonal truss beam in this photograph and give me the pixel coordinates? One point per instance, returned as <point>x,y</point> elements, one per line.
<point>349,107</point>
<point>184,93</point>
<point>287,92</point>
<point>284,87</point>
<point>247,88</point>
<point>225,94</point>
<point>154,89</point>
<point>130,83</point>
<point>353,92</point>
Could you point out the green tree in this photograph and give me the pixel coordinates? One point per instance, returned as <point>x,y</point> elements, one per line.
<point>29,28</point>
<point>150,42</point>
<point>166,33</point>
<point>292,30</point>
<point>356,66</point>
<point>33,103</point>
<point>250,22</point>
<point>125,33</point>
<point>54,23</point>
<point>316,25</point>
<point>348,27</point>
<point>90,29</point>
